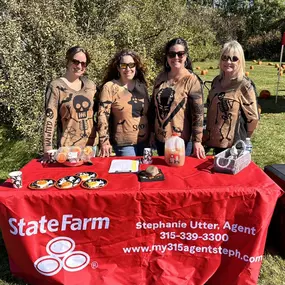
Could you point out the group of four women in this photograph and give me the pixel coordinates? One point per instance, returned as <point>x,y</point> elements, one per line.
<point>127,121</point>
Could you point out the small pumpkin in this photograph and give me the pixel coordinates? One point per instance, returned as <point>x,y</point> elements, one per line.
<point>247,73</point>
<point>251,67</point>
<point>264,94</point>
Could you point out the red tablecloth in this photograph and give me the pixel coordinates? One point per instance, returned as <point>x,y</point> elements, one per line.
<point>195,227</point>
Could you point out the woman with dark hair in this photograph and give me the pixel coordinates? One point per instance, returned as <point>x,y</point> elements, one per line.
<point>122,114</point>
<point>69,101</point>
<point>177,101</point>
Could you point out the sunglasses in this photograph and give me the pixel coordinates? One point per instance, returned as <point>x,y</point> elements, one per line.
<point>77,62</point>
<point>232,59</point>
<point>172,54</point>
<point>125,65</point>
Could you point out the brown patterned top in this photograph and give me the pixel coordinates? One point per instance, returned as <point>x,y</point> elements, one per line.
<point>73,111</point>
<point>177,108</point>
<point>226,110</point>
<point>122,114</point>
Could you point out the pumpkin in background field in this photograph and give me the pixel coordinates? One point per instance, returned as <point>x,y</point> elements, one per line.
<point>251,67</point>
<point>246,74</point>
<point>264,94</point>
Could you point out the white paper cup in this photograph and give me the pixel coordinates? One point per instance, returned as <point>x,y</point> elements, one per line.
<point>147,155</point>
<point>16,179</point>
<point>51,155</point>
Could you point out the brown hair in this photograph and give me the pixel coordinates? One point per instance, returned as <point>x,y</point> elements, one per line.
<point>74,50</point>
<point>177,41</point>
<point>112,69</point>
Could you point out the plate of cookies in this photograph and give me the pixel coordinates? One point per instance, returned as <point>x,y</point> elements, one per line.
<point>94,183</point>
<point>68,182</point>
<point>42,184</point>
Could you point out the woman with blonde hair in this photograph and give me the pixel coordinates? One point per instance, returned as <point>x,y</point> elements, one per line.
<point>232,107</point>
<point>122,114</point>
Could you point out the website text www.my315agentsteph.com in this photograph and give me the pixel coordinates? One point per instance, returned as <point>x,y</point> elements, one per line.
<point>193,250</point>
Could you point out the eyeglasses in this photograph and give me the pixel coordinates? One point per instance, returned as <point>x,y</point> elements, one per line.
<point>172,54</point>
<point>77,62</point>
<point>125,65</point>
<point>232,59</point>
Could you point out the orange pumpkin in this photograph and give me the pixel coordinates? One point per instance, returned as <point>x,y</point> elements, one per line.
<point>264,94</point>
<point>251,67</point>
<point>247,73</point>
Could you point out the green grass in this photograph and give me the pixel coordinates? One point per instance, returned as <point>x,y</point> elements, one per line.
<point>264,76</point>
<point>268,148</point>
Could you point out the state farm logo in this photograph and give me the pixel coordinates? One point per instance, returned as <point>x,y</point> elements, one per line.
<point>61,255</point>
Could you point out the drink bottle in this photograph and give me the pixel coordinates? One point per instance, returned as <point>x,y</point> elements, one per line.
<point>248,145</point>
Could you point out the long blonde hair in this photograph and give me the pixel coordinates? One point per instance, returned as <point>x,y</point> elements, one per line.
<point>234,48</point>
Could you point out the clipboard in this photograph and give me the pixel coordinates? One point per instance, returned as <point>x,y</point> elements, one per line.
<point>124,166</point>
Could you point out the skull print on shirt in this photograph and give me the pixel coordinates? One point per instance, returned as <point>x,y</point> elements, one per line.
<point>72,111</point>
<point>81,105</point>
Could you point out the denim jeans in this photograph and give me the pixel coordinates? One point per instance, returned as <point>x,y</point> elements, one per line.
<point>129,150</point>
<point>160,148</point>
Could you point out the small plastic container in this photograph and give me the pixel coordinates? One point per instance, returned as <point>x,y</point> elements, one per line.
<point>174,152</point>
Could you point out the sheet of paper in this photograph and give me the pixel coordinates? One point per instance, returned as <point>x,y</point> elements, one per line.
<point>124,165</point>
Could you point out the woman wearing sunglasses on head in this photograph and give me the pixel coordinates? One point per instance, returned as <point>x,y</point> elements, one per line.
<point>122,114</point>
<point>232,108</point>
<point>177,101</point>
<point>69,103</point>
